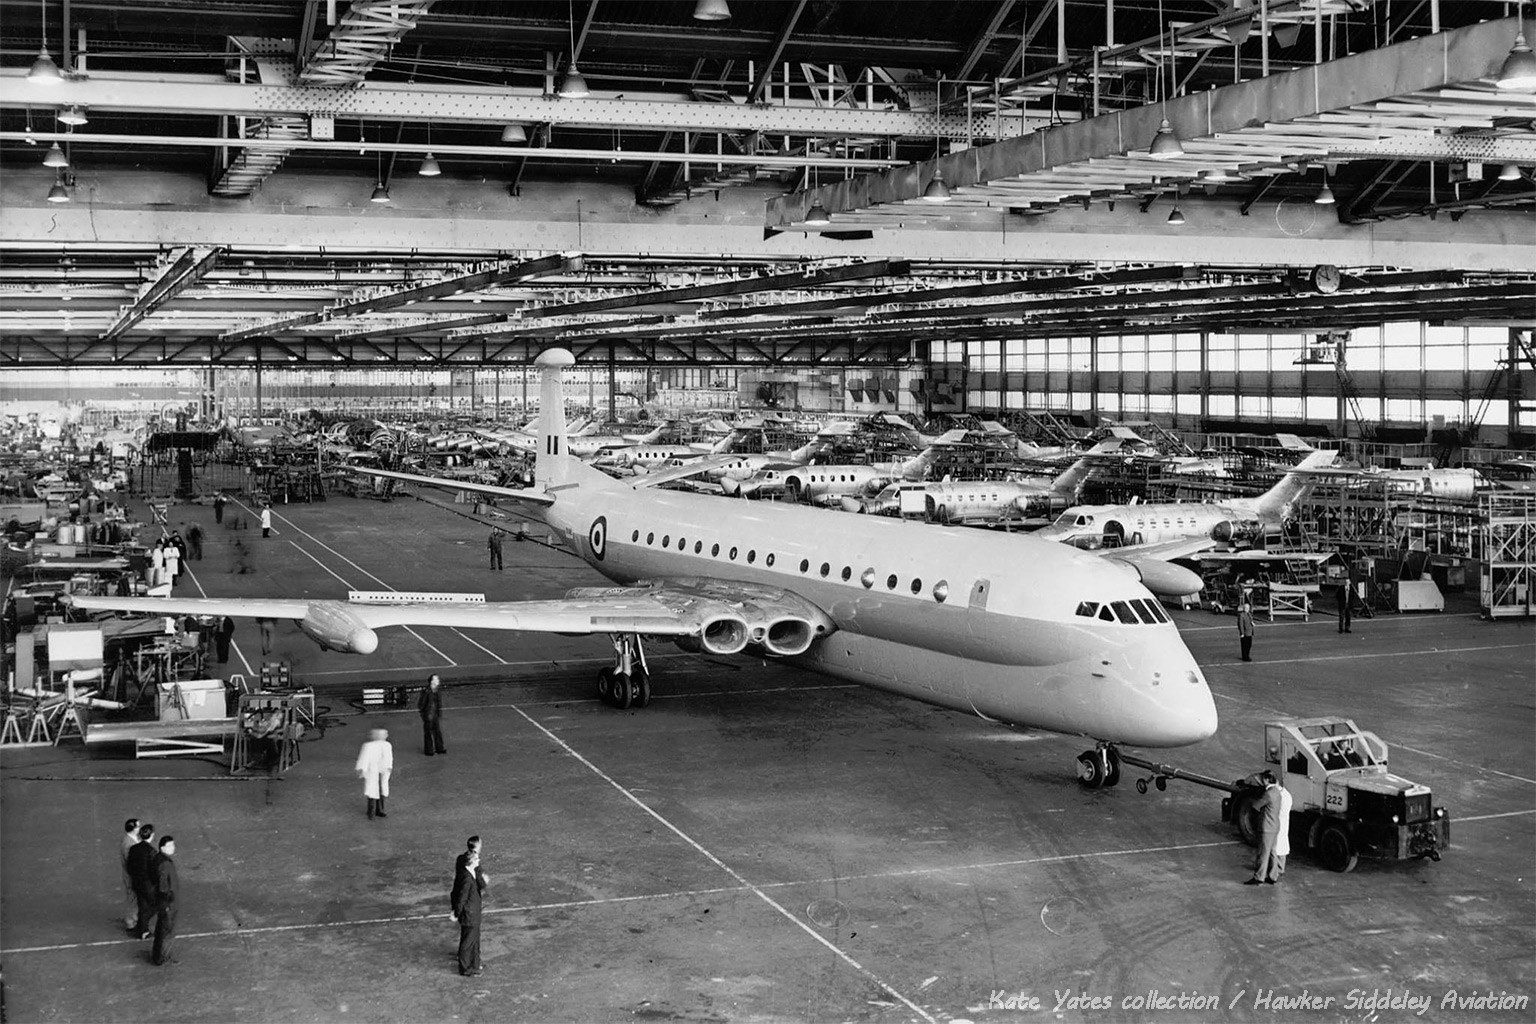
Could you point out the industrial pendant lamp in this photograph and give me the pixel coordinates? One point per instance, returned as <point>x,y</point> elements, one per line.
<point>73,116</point>
<point>429,167</point>
<point>1509,172</point>
<point>59,193</point>
<point>711,10</point>
<point>44,71</point>
<point>55,157</point>
<point>1176,217</point>
<point>1165,144</point>
<point>574,87</point>
<point>937,191</point>
<point>1325,195</point>
<point>1519,71</point>
<point>380,190</point>
<point>817,216</point>
<point>514,133</point>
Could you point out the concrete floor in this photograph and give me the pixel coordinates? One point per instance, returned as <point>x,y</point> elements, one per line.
<point>761,844</point>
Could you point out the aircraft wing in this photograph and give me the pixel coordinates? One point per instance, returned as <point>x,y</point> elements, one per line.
<point>723,617</point>
<point>239,607</point>
<point>527,496</point>
<point>686,471</point>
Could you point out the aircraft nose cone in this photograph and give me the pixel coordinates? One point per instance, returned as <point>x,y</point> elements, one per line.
<point>850,504</point>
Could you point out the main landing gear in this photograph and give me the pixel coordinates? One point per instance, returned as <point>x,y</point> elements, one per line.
<point>628,683</point>
<point>1099,767</point>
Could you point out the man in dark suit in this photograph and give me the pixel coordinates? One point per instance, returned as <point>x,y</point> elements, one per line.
<point>165,905</point>
<point>141,873</point>
<point>430,706</point>
<point>1269,864</point>
<point>469,883</point>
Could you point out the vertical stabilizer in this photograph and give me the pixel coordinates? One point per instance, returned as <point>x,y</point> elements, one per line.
<point>552,465</point>
<point>1069,484</point>
<point>1272,504</point>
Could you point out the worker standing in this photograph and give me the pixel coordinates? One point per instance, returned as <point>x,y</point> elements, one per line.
<point>266,520</point>
<point>494,543</point>
<point>431,707</point>
<point>1245,627</point>
<point>375,762</point>
<point>219,501</point>
<point>1342,595</point>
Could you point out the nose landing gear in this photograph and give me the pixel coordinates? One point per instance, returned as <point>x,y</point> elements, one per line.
<point>628,683</point>
<point>1099,767</point>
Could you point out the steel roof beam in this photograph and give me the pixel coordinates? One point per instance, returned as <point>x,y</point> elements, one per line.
<point>781,39</point>
<point>1120,139</point>
<point>185,270</point>
<point>978,47</point>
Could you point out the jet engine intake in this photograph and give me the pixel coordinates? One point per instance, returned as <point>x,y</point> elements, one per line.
<point>789,636</point>
<point>724,635</point>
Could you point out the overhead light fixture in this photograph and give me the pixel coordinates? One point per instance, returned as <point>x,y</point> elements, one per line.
<point>1324,195</point>
<point>1518,72</point>
<point>380,193</point>
<point>1177,216</point>
<point>514,133</point>
<point>1237,31</point>
<point>1510,172</point>
<point>937,191</point>
<point>1165,144</point>
<point>73,116</point>
<point>59,193</point>
<point>1220,176</point>
<point>574,87</point>
<point>55,157</point>
<point>44,71</point>
<point>817,216</point>
<point>429,167</point>
<point>711,10</point>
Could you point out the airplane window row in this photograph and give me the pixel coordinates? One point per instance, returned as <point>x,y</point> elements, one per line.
<point>940,589</point>
<point>1149,611</point>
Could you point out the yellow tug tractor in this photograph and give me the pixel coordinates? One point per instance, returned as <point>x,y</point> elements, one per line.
<point>1345,803</point>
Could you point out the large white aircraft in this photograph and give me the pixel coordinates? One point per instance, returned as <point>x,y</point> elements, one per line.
<point>1155,523</point>
<point>829,483</point>
<point>991,501</point>
<point>1024,632</point>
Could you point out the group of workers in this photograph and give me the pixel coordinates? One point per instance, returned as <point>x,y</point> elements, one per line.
<point>149,877</point>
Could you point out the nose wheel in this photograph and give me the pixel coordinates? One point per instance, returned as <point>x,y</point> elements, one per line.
<point>627,683</point>
<point>1099,767</point>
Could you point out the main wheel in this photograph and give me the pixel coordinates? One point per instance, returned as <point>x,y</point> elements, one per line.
<point>1246,816</point>
<point>623,692</point>
<point>642,688</point>
<point>1091,769</point>
<point>1335,850</point>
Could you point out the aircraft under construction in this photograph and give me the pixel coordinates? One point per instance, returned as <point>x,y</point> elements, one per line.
<point>1025,632</point>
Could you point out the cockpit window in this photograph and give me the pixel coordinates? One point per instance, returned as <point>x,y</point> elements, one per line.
<point>1088,609</point>
<point>1146,613</point>
<point>1157,610</point>
<point>1106,614</point>
<point>1123,613</point>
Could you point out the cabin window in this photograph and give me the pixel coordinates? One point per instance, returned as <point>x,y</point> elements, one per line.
<point>698,546</point>
<point>751,556</point>
<point>1106,614</point>
<point>1123,613</point>
<point>714,551</point>
<point>1088,609</point>
<point>941,591</point>
<point>681,544</point>
<point>732,555</point>
<point>826,569</point>
<point>769,560</point>
<point>805,563</point>
<point>917,586</point>
<point>650,538</point>
<point>847,573</point>
<point>666,541</point>
<point>890,582</point>
<point>634,536</point>
<point>867,577</point>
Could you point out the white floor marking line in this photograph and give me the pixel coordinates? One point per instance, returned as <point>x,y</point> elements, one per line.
<point>1380,654</point>
<point>349,586</point>
<point>1324,618</point>
<point>1490,817</point>
<point>381,583</point>
<point>595,700</point>
<point>1399,746</point>
<point>723,890</point>
<point>551,662</point>
<point>756,890</point>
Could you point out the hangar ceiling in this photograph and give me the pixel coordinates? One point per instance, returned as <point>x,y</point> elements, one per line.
<point>749,189</point>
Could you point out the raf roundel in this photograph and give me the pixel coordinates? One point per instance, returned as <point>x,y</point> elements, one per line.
<point>597,537</point>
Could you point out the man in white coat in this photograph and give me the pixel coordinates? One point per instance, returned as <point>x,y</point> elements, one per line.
<point>1283,840</point>
<point>374,763</point>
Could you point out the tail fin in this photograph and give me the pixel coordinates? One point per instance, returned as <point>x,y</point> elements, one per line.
<point>553,463</point>
<point>1067,486</point>
<point>1273,502</point>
